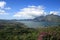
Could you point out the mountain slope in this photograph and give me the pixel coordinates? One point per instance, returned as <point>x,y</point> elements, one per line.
<point>49,18</point>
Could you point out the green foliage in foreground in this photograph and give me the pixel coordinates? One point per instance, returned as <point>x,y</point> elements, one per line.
<point>53,32</point>
<point>18,31</point>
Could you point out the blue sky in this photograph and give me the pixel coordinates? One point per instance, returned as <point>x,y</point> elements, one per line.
<point>25,9</point>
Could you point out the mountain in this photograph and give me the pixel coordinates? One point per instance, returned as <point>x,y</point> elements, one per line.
<point>26,20</point>
<point>40,18</point>
<point>48,18</point>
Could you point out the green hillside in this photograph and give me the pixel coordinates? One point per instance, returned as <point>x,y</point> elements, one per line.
<point>19,31</point>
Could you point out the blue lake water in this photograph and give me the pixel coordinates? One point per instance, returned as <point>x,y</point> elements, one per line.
<point>33,24</point>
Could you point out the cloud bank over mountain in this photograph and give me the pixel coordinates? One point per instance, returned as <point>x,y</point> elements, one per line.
<point>54,12</point>
<point>30,12</point>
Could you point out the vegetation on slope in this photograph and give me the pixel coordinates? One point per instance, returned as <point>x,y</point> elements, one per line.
<point>18,31</point>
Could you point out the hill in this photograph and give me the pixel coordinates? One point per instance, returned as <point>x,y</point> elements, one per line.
<point>11,30</point>
<point>48,18</point>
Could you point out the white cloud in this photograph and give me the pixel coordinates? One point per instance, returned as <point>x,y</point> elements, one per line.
<point>54,12</point>
<point>3,8</point>
<point>7,8</point>
<point>2,4</point>
<point>2,12</point>
<point>30,12</point>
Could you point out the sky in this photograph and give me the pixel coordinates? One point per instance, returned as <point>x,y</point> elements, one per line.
<point>28,9</point>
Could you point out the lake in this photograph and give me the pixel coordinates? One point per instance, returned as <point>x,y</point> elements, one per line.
<point>33,24</point>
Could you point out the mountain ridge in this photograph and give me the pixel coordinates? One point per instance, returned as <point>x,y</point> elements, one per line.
<point>48,18</point>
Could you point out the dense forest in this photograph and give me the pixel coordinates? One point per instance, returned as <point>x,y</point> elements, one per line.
<point>19,31</point>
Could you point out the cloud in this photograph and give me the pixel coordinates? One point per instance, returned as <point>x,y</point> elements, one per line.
<point>54,12</point>
<point>30,12</point>
<point>2,4</point>
<point>7,8</point>
<point>3,8</point>
<point>2,12</point>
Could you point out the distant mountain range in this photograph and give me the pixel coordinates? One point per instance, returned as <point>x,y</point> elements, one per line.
<point>48,18</point>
